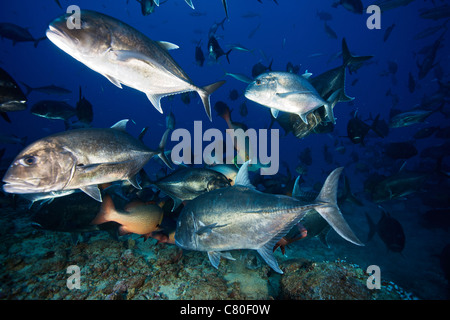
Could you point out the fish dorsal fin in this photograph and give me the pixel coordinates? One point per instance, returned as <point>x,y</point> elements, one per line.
<point>156,2</point>
<point>307,75</point>
<point>121,125</point>
<point>92,191</point>
<point>242,178</point>
<point>274,112</point>
<point>167,45</point>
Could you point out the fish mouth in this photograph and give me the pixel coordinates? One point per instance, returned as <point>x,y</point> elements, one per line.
<point>19,186</point>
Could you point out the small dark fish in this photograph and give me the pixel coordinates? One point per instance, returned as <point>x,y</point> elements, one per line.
<point>292,69</point>
<point>252,33</point>
<point>84,110</point>
<point>428,61</point>
<point>259,68</point>
<point>185,97</point>
<point>354,6</point>
<point>243,109</point>
<point>147,6</point>
<point>436,13</point>
<point>400,150</point>
<point>388,32</point>
<point>425,132</point>
<point>234,95</point>
<point>330,32</point>
<point>215,26</point>
<point>358,129</point>
<point>215,51</point>
<point>389,230</point>
<point>305,156</point>
<point>17,34</point>
<point>53,109</point>
<point>327,155</point>
<point>12,97</point>
<point>52,89</point>
<point>199,56</point>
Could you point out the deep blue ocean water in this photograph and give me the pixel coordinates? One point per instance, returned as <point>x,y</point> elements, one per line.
<point>288,32</point>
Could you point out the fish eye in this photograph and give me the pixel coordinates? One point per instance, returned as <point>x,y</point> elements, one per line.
<point>258,82</point>
<point>28,161</point>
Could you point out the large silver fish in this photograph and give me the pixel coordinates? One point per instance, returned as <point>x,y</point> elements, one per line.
<point>285,91</point>
<point>125,56</point>
<point>240,217</point>
<point>79,159</point>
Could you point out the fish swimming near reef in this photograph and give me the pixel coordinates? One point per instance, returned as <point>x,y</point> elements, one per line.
<point>389,230</point>
<point>12,97</point>
<point>188,183</point>
<point>79,159</point>
<point>240,217</point>
<point>126,56</point>
<point>137,217</point>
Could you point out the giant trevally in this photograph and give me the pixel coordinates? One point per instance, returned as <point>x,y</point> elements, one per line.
<point>79,159</point>
<point>288,92</point>
<point>240,217</point>
<point>126,56</point>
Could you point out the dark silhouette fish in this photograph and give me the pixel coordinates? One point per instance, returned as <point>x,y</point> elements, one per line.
<point>215,51</point>
<point>389,230</point>
<point>17,34</point>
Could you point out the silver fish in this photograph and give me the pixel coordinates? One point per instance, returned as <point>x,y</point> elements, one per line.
<point>126,56</point>
<point>285,91</point>
<point>79,159</point>
<point>240,217</point>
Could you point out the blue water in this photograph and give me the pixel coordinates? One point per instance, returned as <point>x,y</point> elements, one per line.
<point>289,32</point>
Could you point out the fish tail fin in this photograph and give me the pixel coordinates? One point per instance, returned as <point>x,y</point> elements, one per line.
<point>329,210</point>
<point>374,127</point>
<point>106,211</point>
<point>161,149</point>
<point>349,58</point>
<point>36,42</point>
<point>28,89</point>
<point>227,55</point>
<point>206,92</point>
<point>331,102</point>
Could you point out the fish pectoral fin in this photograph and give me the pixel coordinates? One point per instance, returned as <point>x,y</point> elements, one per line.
<point>176,203</point>
<point>167,45</point>
<point>155,99</point>
<point>114,81</point>
<point>92,191</point>
<point>214,258</point>
<point>266,253</point>
<point>303,117</point>
<point>134,182</point>
<point>207,229</point>
<point>121,125</point>
<point>274,112</point>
